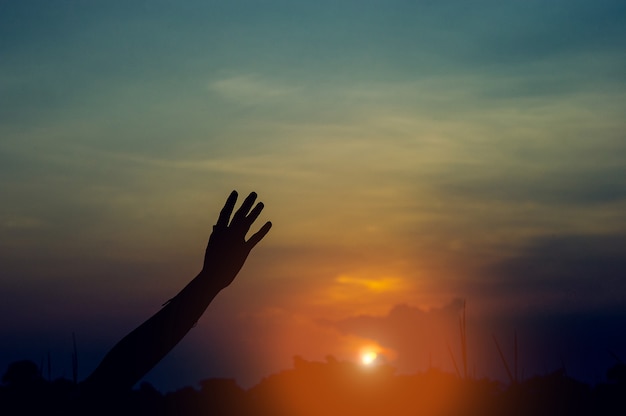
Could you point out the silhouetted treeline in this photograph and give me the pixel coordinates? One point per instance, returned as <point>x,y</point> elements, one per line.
<point>328,388</point>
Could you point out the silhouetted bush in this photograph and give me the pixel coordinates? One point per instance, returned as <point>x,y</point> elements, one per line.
<point>321,388</point>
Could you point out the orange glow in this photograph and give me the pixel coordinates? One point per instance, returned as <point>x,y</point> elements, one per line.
<point>359,292</point>
<point>377,285</point>
<point>368,358</point>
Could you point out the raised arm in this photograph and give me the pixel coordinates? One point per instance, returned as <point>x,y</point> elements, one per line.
<point>143,348</point>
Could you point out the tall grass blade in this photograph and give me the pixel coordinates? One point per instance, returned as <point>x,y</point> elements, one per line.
<point>463,330</point>
<point>506,365</point>
<point>515,356</point>
<point>74,360</point>
<point>456,367</point>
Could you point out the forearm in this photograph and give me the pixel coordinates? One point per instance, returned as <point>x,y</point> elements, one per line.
<point>138,352</point>
<point>143,348</point>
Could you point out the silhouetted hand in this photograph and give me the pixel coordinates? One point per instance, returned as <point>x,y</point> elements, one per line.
<point>228,249</point>
<point>138,352</point>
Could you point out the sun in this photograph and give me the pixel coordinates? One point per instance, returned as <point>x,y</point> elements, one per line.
<point>368,358</point>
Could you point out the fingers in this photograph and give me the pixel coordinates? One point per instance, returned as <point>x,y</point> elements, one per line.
<point>258,236</point>
<point>254,214</point>
<point>225,213</point>
<point>243,217</point>
<point>245,207</point>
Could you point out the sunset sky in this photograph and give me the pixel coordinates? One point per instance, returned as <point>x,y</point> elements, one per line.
<point>410,154</point>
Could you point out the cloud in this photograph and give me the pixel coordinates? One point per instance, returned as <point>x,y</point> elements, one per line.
<point>559,186</point>
<point>251,89</point>
<point>575,272</point>
<point>416,335</point>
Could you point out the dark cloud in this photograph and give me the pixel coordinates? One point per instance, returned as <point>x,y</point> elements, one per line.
<point>584,187</point>
<point>584,269</point>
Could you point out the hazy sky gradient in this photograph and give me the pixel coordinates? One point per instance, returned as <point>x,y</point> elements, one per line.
<point>408,153</point>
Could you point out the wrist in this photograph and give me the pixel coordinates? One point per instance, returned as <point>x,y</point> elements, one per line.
<point>211,280</point>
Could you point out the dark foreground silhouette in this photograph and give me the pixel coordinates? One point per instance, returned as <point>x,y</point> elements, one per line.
<point>334,388</point>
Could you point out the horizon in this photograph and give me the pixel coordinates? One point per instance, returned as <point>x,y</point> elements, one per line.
<point>411,156</point>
